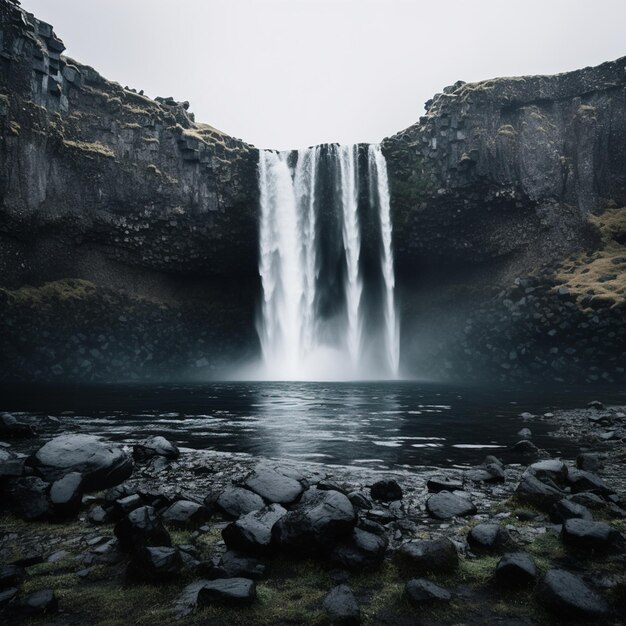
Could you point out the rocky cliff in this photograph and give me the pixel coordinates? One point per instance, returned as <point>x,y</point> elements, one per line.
<point>493,191</point>
<point>100,183</point>
<point>128,232</point>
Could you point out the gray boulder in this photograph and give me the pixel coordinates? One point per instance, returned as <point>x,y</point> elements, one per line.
<point>418,558</point>
<point>342,607</point>
<point>320,520</point>
<point>252,533</point>
<point>446,505</point>
<point>567,595</point>
<point>421,592</point>
<point>235,501</point>
<point>274,487</point>
<point>227,591</point>
<point>516,570</point>
<point>102,465</point>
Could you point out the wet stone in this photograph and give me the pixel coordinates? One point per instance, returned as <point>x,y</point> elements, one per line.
<point>359,500</point>
<point>239,565</point>
<point>236,501</point>
<point>186,514</point>
<point>421,592</point>
<point>39,602</point>
<point>489,538</point>
<point>155,446</point>
<point>342,607</point>
<point>418,558</point>
<point>274,487</point>
<point>66,495</point>
<point>567,509</point>
<point>141,527</point>
<point>320,520</point>
<point>445,505</point>
<point>102,465</point>
<point>516,570</point>
<point>227,591</point>
<point>361,551</point>
<point>443,483</point>
<point>588,535</point>
<point>252,533</point>
<point>155,564</point>
<point>386,491</point>
<point>565,594</point>
<point>538,493</point>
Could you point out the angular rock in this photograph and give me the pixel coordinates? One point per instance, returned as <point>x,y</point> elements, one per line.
<point>320,520</point>
<point>421,592</point>
<point>155,564</point>
<point>252,533</point>
<point>418,558</point>
<point>140,528</point>
<point>227,591</point>
<point>129,503</point>
<point>237,565</point>
<point>490,473</point>
<point>516,570</point>
<point>525,449</point>
<point>552,469</point>
<point>155,446</point>
<point>579,480</point>
<point>99,515</point>
<point>489,538</point>
<point>444,483</point>
<point>386,491</point>
<point>342,607</point>
<point>591,500</point>
<point>588,535</point>
<point>589,462</point>
<point>533,491</point>
<point>274,487</point>
<point>102,465</point>
<point>235,501</point>
<point>445,505</point>
<point>359,500</point>
<point>567,509</point>
<point>525,433</point>
<point>567,595</point>
<point>66,495</point>
<point>330,485</point>
<point>361,551</point>
<point>186,514</point>
<point>29,496</point>
<point>39,603</point>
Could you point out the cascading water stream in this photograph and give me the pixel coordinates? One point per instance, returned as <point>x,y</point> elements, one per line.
<point>378,174</point>
<point>348,182</point>
<point>313,322</point>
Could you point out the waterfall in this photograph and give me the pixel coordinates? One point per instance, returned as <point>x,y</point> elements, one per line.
<point>314,322</point>
<point>379,187</point>
<point>352,245</point>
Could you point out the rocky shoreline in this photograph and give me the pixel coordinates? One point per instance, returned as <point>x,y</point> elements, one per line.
<point>95,533</point>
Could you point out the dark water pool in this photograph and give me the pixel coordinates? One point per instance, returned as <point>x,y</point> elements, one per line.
<point>371,424</point>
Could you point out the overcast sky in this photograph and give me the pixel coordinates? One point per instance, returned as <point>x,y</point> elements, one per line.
<point>291,73</point>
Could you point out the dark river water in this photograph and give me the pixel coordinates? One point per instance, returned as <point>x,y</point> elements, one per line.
<point>372,424</point>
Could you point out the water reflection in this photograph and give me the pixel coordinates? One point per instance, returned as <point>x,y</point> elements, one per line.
<point>373,424</point>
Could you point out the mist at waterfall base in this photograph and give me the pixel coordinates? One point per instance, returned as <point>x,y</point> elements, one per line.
<point>328,309</point>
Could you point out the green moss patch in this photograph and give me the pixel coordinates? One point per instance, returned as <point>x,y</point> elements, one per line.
<point>90,148</point>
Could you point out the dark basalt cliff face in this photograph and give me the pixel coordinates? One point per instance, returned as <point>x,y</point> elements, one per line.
<point>128,232</point>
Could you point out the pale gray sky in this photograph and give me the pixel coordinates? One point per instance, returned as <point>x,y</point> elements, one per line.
<point>291,73</point>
